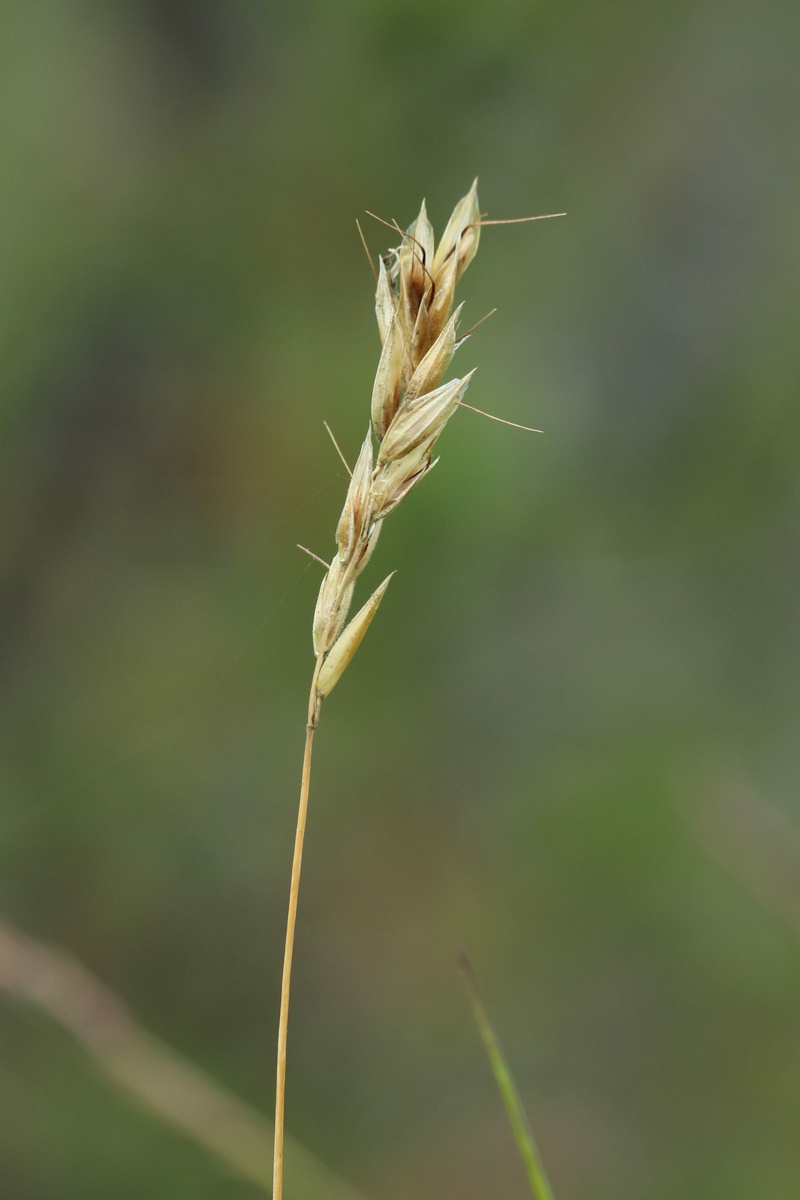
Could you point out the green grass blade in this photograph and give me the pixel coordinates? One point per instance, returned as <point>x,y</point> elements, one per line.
<point>508,1090</point>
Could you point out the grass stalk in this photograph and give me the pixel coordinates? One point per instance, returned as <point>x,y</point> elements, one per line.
<point>410,408</point>
<point>314,704</point>
<point>418,326</point>
<point>529,1153</point>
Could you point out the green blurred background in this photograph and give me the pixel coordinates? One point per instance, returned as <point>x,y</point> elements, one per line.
<point>592,633</point>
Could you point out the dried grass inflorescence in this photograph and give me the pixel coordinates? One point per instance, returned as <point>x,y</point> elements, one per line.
<point>410,408</point>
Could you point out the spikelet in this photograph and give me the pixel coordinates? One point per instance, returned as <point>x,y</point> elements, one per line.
<point>460,238</point>
<point>410,408</point>
<point>349,641</point>
<point>391,376</point>
<point>356,511</point>
<point>424,418</point>
<point>433,366</point>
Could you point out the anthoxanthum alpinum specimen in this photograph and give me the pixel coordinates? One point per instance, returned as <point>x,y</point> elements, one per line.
<point>410,408</point>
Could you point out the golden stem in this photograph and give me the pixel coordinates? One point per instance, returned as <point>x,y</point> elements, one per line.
<point>314,703</point>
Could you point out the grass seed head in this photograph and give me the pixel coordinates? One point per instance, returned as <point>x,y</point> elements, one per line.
<point>410,408</point>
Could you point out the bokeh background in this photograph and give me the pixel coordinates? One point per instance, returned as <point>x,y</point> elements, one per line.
<point>570,742</point>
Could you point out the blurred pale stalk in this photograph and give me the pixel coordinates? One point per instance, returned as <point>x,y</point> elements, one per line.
<point>168,1086</point>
